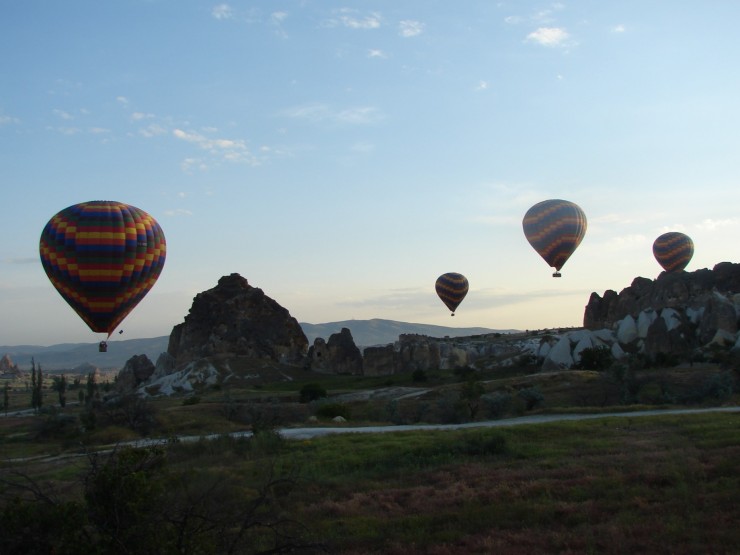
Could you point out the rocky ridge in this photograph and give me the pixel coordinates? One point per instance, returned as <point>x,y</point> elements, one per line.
<point>681,315</point>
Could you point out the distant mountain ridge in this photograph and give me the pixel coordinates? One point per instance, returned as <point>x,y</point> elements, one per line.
<point>365,333</point>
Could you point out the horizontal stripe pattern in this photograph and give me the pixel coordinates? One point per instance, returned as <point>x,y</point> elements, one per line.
<point>103,257</point>
<point>555,228</point>
<point>451,289</point>
<point>673,251</point>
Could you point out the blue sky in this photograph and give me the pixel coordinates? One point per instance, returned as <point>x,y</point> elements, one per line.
<point>342,155</point>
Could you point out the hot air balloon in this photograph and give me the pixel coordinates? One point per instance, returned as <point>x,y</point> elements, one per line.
<point>555,228</point>
<point>102,257</point>
<point>451,288</point>
<point>673,251</point>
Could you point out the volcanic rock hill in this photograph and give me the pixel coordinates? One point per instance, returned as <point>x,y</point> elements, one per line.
<point>682,315</point>
<point>239,320</point>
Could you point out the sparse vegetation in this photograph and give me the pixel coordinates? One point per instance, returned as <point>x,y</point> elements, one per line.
<point>659,484</point>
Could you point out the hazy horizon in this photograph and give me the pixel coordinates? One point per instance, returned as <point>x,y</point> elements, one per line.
<point>341,158</point>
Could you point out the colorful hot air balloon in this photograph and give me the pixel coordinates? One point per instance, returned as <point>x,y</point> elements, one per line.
<point>451,288</point>
<point>673,251</point>
<point>102,257</point>
<point>555,228</point>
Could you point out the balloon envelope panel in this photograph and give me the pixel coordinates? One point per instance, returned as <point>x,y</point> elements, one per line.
<point>555,228</point>
<point>451,289</point>
<point>673,251</point>
<point>103,257</point>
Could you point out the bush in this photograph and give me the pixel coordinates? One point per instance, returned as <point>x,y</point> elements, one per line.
<point>532,397</point>
<point>496,405</point>
<point>419,376</point>
<point>332,410</point>
<point>312,392</point>
<point>596,358</point>
<point>193,400</point>
<point>719,386</point>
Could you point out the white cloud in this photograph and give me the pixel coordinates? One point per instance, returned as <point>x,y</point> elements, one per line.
<point>7,120</point>
<point>317,113</point>
<point>481,86</point>
<point>140,115</point>
<point>352,19</point>
<point>99,130</point>
<point>178,212</point>
<point>152,130</point>
<point>710,224</point>
<point>227,149</point>
<point>190,164</point>
<point>122,100</point>
<point>63,114</point>
<point>22,260</point>
<point>278,17</point>
<point>549,36</point>
<point>619,29</point>
<point>376,53</point>
<point>513,19</point>
<point>409,28</point>
<point>222,11</point>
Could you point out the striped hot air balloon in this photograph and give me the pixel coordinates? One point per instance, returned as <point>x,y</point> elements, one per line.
<point>555,228</point>
<point>103,257</point>
<point>673,251</point>
<point>451,288</point>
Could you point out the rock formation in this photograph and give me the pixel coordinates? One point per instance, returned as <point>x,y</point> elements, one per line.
<point>339,355</point>
<point>239,320</point>
<point>677,313</point>
<point>8,367</point>
<point>136,371</point>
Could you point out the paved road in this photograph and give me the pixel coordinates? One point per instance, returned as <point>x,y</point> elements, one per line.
<point>312,432</point>
<point>308,433</point>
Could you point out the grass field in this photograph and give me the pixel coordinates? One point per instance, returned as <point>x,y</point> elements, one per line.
<point>658,484</point>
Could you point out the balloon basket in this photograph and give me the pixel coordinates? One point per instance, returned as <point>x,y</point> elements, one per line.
<point>557,274</point>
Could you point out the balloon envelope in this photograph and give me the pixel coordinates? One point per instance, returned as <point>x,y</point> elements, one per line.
<point>103,257</point>
<point>451,288</point>
<point>673,251</point>
<point>555,228</point>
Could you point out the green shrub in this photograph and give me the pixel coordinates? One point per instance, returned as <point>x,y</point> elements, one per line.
<point>532,397</point>
<point>497,404</point>
<point>419,376</point>
<point>311,392</point>
<point>332,410</point>
<point>719,386</point>
<point>192,400</point>
<point>596,358</point>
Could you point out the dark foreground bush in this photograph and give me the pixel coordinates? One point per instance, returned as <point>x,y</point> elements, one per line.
<point>133,501</point>
<point>332,410</point>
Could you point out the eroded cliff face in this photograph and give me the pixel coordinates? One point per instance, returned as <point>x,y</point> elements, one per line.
<point>237,319</point>
<point>675,313</point>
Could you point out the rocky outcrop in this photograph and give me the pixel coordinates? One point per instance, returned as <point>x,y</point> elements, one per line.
<point>339,355</point>
<point>379,361</point>
<point>8,368</point>
<point>670,290</point>
<point>238,320</point>
<point>136,371</point>
<point>677,313</point>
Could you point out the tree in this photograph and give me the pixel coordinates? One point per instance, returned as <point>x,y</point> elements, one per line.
<point>39,388</point>
<point>596,358</point>
<point>471,393</point>
<point>6,397</point>
<point>60,384</point>
<point>92,389</point>
<point>34,389</point>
